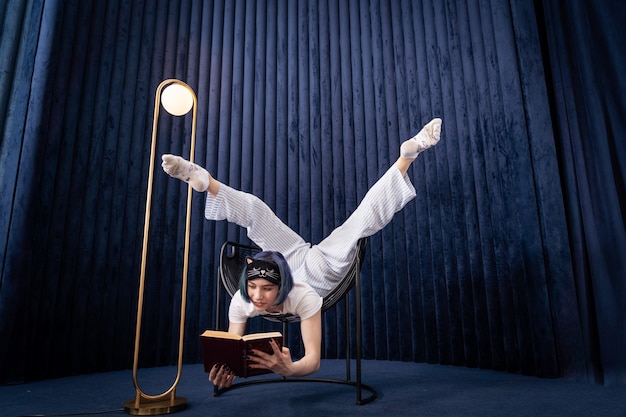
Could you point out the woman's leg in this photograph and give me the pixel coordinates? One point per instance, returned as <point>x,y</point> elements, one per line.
<point>327,262</point>
<point>264,228</point>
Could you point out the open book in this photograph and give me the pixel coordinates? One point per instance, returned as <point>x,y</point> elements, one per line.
<point>223,348</point>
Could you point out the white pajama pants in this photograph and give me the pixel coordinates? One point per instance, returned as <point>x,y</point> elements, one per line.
<point>323,265</point>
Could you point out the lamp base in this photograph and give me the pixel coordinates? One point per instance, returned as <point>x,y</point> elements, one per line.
<point>152,408</point>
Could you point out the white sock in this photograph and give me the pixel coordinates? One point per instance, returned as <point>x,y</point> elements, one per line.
<point>427,137</point>
<point>186,171</point>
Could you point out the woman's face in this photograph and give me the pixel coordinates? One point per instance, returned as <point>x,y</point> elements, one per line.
<point>262,294</point>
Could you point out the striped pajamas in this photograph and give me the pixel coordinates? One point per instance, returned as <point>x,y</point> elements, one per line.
<point>323,265</point>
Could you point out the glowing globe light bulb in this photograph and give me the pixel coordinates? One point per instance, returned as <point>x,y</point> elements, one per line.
<point>176,99</point>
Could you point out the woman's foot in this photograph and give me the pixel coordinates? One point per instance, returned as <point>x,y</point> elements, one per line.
<point>427,137</point>
<point>193,174</point>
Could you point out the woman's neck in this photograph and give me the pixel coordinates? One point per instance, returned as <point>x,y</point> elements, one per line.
<point>275,309</point>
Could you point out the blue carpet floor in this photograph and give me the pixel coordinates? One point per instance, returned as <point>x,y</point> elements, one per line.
<point>405,389</point>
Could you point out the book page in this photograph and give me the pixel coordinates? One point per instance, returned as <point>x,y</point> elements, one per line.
<point>219,334</point>
<point>267,335</point>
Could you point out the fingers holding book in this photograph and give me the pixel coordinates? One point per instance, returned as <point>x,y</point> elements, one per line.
<point>221,376</point>
<point>278,362</point>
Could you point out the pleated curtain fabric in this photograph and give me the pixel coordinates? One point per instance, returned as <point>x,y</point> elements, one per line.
<point>585,47</point>
<point>305,104</point>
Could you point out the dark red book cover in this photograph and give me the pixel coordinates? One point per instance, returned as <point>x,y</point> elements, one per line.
<point>223,348</point>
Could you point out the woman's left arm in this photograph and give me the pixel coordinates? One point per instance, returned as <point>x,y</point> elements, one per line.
<point>280,362</point>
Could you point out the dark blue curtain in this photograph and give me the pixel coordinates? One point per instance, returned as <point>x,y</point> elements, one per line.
<point>585,49</point>
<point>508,259</point>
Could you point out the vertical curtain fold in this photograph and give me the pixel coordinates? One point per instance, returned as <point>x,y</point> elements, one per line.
<point>589,121</point>
<point>21,153</point>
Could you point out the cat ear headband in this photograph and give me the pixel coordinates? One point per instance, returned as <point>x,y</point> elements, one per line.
<point>256,268</point>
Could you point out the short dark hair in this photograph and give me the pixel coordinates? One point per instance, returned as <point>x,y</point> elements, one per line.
<point>286,279</point>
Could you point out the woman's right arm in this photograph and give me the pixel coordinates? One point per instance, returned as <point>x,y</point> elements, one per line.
<point>237,328</point>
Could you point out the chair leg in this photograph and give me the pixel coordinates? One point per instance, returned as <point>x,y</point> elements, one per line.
<point>347,324</point>
<point>359,334</point>
<point>285,335</point>
<point>218,302</point>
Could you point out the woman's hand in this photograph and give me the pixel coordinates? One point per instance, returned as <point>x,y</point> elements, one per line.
<point>221,376</point>
<point>280,362</point>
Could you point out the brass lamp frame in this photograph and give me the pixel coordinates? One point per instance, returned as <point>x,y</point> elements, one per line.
<point>166,402</point>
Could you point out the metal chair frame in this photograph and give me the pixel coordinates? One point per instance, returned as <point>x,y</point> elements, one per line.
<point>232,258</point>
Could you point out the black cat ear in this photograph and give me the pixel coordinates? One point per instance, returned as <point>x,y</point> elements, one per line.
<point>249,260</point>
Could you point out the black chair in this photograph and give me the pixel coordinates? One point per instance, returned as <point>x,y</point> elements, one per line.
<point>232,262</point>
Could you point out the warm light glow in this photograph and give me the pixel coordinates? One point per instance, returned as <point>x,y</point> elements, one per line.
<point>176,99</point>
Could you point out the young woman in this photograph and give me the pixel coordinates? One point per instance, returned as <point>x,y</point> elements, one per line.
<point>291,275</point>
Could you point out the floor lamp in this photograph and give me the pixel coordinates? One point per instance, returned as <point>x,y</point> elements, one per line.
<point>177,99</point>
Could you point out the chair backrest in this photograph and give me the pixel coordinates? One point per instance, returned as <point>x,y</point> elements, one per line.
<point>232,263</point>
<point>233,260</point>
